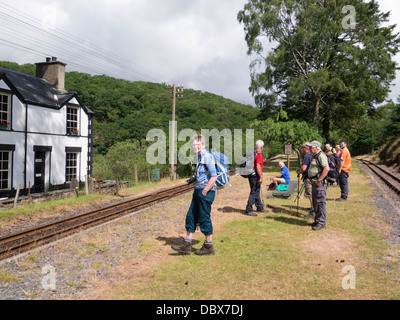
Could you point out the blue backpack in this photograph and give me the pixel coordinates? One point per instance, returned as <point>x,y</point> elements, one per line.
<point>221,165</point>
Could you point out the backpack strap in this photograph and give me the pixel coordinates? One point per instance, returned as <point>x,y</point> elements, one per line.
<point>256,153</point>
<point>201,162</point>
<point>316,157</point>
<point>217,163</point>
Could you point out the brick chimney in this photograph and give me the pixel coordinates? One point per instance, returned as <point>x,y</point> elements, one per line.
<point>53,71</point>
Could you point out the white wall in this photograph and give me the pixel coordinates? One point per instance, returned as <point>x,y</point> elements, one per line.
<point>46,127</point>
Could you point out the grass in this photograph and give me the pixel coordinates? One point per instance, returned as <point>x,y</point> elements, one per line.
<point>277,256</point>
<point>6,276</point>
<point>46,206</point>
<point>68,203</point>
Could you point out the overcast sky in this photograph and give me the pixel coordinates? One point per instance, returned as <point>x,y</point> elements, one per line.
<point>196,43</point>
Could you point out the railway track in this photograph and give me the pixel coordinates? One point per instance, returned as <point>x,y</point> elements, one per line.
<point>16,243</point>
<point>389,178</point>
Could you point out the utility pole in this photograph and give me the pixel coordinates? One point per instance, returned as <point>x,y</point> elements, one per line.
<point>177,93</point>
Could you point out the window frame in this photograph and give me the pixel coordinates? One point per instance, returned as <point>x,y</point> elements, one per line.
<point>72,120</point>
<point>8,170</point>
<point>7,108</point>
<point>68,167</point>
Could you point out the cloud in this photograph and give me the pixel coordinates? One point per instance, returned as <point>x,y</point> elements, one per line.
<point>197,43</point>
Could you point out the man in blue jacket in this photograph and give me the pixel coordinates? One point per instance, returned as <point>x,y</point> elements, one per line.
<point>283,177</point>
<point>203,197</point>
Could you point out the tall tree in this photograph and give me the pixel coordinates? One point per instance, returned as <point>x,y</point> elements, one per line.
<point>332,60</point>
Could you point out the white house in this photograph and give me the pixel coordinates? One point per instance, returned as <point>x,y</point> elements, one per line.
<point>46,133</point>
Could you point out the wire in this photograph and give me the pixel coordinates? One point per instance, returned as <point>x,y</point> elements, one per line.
<point>96,59</point>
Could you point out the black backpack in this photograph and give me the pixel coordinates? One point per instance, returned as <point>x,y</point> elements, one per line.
<point>247,163</point>
<point>333,161</point>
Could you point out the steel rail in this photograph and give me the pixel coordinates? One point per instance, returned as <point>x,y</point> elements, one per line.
<point>372,166</point>
<point>21,241</point>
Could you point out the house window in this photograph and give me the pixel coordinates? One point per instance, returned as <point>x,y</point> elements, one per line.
<point>72,120</point>
<point>4,169</point>
<point>4,110</point>
<point>72,166</point>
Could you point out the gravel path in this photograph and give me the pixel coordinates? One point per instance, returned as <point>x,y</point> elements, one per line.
<point>66,269</point>
<point>388,204</point>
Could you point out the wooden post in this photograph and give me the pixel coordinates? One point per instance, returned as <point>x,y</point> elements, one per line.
<point>288,152</point>
<point>136,175</point>
<point>86,184</point>
<point>172,158</point>
<point>116,185</point>
<point>16,196</point>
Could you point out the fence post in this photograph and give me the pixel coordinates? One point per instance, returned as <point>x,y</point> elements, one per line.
<point>16,196</point>
<point>136,175</point>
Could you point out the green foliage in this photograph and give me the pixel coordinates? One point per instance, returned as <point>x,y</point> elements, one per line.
<point>276,134</point>
<point>393,126</point>
<point>128,110</point>
<point>122,157</point>
<point>25,68</point>
<point>125,111</point>
<point>381,125</point>
<point>319,71</point>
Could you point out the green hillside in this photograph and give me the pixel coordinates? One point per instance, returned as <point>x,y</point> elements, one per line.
<point>126,110</point>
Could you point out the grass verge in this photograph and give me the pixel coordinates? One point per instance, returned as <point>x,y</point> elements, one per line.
<point>277,256</point>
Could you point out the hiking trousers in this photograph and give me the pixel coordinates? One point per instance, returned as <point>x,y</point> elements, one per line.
<point>200,212</point>
<point>344,184</point>
<point>254,197</point>
<point>319,203</point>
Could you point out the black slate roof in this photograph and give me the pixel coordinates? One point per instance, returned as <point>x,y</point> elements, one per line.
<point>37,91</point>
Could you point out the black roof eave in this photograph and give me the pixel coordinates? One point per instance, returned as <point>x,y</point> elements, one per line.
<point>3,76</point>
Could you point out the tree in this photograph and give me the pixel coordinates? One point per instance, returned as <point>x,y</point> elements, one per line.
<point>323,68</point>
<point>276,134</point>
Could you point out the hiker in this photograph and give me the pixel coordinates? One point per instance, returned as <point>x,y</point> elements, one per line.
<point>283,177</point>
<point>344,171</point>
<point>317,173</point>
<point>338,150</point>
<point>328,149</point>
<point>203,197</point>
<point>255,182</point>
<point>305,149</point>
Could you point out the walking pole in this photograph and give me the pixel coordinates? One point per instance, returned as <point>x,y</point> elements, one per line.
<point>262,197</point>
<point>298,192</point>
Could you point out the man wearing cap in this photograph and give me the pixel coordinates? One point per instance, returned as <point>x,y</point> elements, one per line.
<point>305,149</point>
<point>317,173</point>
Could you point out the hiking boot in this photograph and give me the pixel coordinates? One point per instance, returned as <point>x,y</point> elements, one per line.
<point>253,214</point>
<point>185,247</point>
<point>318,227</point>
<point>206,249</point>
<point>313,224</point>
<point>341,199</point>
<point>311,215</point>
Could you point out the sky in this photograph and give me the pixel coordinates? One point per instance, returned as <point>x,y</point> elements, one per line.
<point>198,44</point>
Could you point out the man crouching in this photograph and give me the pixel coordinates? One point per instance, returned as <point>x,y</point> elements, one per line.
<point>203,197</point>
